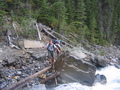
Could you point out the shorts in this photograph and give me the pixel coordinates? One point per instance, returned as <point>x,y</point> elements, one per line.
<point>50,54</point>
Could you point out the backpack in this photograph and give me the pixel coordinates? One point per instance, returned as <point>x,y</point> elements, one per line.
<point>49,46</point>
<point>54,41</point>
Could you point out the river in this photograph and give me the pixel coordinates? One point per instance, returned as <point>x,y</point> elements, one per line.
<point>113,81</point>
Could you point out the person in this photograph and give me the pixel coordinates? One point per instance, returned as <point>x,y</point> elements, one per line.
<point>51,47</point>
<point>57,44</point>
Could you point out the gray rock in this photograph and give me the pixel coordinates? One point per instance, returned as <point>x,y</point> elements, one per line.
<point>117,66</point>
<point>39,54</point>
<point>36,87</point>
<point>100,79</point>
<point>1,50</point>
<point>18,72</point>
<point>1,66</point>
<point>99,62</point>
<point>75,70</point>
<point>29,44</point>
<point>11,60</point>
<point>2,84</point>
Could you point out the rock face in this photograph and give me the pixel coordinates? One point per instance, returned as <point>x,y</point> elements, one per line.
<point>73,69</point>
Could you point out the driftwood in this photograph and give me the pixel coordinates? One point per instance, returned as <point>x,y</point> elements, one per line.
<point>50,77</point>
<point>38,32</point>
<point>21,83</point>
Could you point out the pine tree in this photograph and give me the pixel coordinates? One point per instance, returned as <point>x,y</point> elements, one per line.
<point>80,11</point>
<point>44,12</point>
<point>59,12</point>
<point>80,17</point>
<point>70,6</point>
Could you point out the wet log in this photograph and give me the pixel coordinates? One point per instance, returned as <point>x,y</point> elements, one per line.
<point>21,83</point>
<point>50,77</point>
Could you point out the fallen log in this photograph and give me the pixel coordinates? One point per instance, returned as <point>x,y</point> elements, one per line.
<point>50,77</point>
<point>21,83</point>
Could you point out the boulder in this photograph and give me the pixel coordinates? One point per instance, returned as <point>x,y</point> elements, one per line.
<point>11,60</point>
<point>73,69</point>
<point>39,54</point>
<point>100,79</point>
<point>28,43</point>
<point>99,62</point>
<point>117,66</point>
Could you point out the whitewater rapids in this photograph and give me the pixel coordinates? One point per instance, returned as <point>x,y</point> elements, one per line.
<point>113,81</point>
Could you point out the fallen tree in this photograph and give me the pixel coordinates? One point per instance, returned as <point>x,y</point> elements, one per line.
<point>21,83</point>
<point>50,77</point>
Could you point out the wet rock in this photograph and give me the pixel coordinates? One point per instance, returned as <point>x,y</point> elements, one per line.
<point>100,79</point>
<point>117,66</point>
<point>74,69</point>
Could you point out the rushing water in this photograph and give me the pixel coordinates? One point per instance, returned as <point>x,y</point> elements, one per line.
<point>113,81</point>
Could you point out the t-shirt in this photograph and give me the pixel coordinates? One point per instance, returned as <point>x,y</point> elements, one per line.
<point>50,47</point>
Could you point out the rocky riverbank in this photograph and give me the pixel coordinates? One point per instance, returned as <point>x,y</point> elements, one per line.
<point>16,65</point>
<point>76,65</point>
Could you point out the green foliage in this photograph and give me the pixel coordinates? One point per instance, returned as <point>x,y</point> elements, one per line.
<point>27,28</point>
<point>58,11</point>
<point>95,21</point>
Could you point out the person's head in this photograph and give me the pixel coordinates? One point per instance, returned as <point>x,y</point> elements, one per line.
<point>50,42</point>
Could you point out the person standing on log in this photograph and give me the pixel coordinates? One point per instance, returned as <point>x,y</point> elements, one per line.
<point>51,47</point>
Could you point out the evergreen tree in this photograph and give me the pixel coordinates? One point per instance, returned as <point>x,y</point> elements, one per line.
<point>70,6</point>
<point>44,12</point>
<point>80,14</point>
<point>59,12</point>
